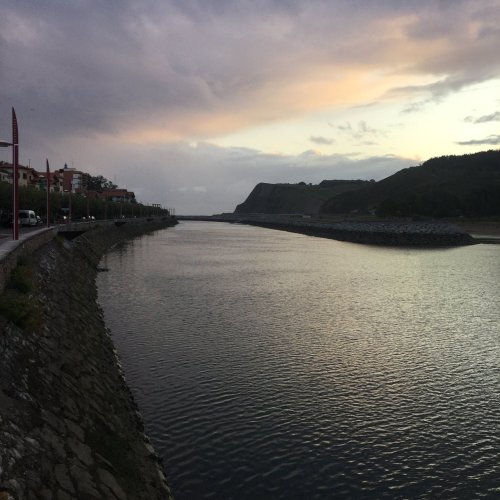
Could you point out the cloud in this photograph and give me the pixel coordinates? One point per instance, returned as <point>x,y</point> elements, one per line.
<point>436,91</point>
<point>493,117</point>
<point>169,70</point>
<point>193,189</point>
<point>492,140</point>
<point>321,140</point>
<point>347,127</point>
<point>122,88</point>
<point>365,129</point>
<point>359,131</point>
<point>207,179</point>
<point>415,107</point>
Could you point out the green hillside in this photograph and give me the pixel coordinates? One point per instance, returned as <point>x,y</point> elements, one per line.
<point>294,198</point>
<point>466,185</point>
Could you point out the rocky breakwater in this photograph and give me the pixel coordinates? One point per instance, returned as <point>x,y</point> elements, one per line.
<point>69,427</point>
<point>390,233</point>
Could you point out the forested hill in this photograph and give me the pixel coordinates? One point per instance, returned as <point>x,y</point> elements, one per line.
<point>466,185</point>
<point>447,186</point>
<point>294,198</point>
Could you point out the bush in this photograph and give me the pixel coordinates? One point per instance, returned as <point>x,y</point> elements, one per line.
<point>16,303</point>
<point>21,310</point>
<point>21,278</point>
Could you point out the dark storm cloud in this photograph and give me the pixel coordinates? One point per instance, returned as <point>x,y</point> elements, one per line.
<point>101,65</point>
<point>87,67</point>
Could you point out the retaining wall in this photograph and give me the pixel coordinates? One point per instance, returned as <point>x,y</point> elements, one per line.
<point>69,427</point>
<point>12,251</point>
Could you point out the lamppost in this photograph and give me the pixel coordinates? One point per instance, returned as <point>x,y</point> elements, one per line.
<point>15,180</point>
<point>48,193</point>
<point>70,211</point>
<point>69,203</point>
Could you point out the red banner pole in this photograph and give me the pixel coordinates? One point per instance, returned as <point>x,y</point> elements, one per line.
<point>48,194</point>
<point>15,183</point>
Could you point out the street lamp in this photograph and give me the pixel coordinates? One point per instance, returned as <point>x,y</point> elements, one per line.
<point>48,194</point>
<point>15,180</point>
<point>69,207</point>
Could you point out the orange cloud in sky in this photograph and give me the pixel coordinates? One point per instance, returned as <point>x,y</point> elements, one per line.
<point>387,54</point>
<point>320,89</point>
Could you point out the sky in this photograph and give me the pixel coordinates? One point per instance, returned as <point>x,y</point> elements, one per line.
<point>191,103</point>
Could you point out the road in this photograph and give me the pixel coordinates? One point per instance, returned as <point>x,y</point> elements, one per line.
<point>6,232</point>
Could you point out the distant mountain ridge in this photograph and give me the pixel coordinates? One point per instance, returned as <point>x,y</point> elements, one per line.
<point>452,185</point>
<point>294,198</point>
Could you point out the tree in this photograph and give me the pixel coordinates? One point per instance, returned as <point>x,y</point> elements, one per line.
<point>99,183</point>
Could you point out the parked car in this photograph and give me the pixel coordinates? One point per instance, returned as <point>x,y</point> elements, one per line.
<point>27,218</point>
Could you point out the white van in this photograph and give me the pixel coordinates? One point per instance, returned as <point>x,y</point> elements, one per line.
<point>27,218</point>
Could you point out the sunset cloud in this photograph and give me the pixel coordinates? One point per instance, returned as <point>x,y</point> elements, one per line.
<point>358,131</point>
<point>492,140</point>
<point>321,140</point>
<point>192,68</point>
<point>493,117</point>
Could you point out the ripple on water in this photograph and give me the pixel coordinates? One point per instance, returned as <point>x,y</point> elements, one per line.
<point>274,365</point>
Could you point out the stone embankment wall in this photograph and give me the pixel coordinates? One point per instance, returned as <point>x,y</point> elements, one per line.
<point>423,234</point>
<point>12,251</point>
<point>69,428</point>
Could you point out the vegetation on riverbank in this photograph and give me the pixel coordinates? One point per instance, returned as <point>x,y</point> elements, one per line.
<point>81,206</point>
<point>16,303</point>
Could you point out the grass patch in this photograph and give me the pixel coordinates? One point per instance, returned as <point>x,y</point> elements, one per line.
<point>21,310</point>
<point>16,303</point>
<point>59,240</point>
<point>21,278</point>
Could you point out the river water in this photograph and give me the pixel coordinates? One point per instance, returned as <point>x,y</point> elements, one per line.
<point>274,365</point>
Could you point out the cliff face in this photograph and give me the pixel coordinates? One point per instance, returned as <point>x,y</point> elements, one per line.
<point>449,186</point>
<point>69,427</point>
<point>293,198</point>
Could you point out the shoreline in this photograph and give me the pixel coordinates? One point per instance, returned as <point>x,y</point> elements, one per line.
<point>480,228</point>
<point>69,426</point>
<point>411,234</point>
<point>371,230</point>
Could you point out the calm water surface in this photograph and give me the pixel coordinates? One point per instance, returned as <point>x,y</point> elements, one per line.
<point>274,365</point>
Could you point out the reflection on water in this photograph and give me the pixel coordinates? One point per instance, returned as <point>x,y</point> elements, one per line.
<point>275,365</point>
